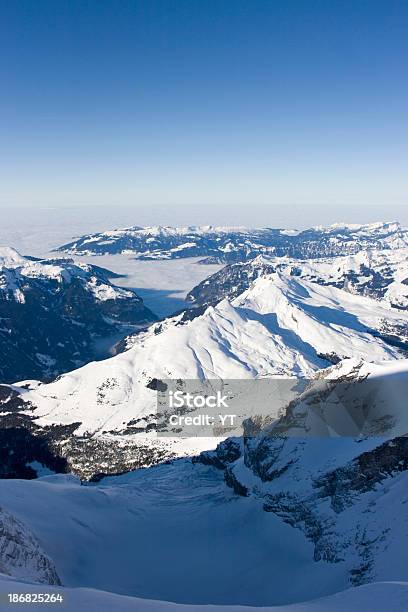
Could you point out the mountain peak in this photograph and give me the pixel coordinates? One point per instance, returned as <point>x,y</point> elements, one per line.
<point>9,257</point>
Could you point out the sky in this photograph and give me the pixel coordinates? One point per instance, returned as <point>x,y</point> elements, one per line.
<point>255,112</point>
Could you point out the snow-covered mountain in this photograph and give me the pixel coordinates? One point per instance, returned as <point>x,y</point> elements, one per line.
<point>382,275</point>
<point>297,512</point>
<point>102,417</point>
<point>226,244</point>
<point>53,311</point>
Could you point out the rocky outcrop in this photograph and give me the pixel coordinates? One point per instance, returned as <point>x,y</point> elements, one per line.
<point>21,555</point>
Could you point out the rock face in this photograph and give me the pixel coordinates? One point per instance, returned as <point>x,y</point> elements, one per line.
<point>53,311</point>
<point>382,275</point>
<point>223,244</point>
<point>332,465</point>
<point>21,555</point>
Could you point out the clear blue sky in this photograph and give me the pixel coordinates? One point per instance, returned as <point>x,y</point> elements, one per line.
<point>215,107</point>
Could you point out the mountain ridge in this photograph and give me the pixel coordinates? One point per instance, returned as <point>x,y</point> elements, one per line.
<point>228,244</point>
<point>382,275</point>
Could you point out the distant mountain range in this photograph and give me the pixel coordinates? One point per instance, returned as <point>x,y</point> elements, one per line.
<point>53,311</point>
<point>228,244</point>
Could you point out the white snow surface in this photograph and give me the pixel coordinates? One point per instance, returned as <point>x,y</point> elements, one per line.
<point>9,257</point>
